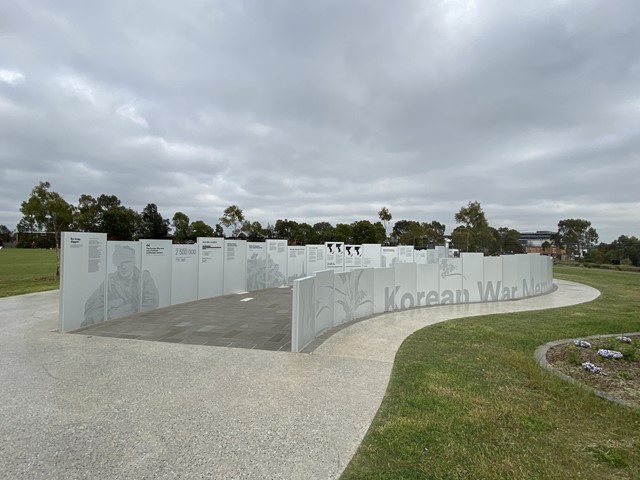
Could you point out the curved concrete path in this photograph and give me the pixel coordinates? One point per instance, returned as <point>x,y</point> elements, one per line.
<point>77,407</point>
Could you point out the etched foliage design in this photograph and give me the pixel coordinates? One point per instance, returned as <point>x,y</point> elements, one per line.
<point>353,296</point>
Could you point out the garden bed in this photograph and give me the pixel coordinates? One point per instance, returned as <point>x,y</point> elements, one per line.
<point>619,378</point>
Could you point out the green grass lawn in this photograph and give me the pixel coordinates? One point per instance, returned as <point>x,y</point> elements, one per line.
<point>25,270</point>
<point>467,400</point>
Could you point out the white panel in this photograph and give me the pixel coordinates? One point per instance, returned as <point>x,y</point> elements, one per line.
<point>343,301</point>
<point>334,254</point>
<point>125,283</point>
<point>324,301</point>
<point>315,258</point>
<point>536,275</point>
<point>371,255</point>
<point>156,259</point>
<point>210,267</point>
<point>235,266</point>
<point>363,287</point>
<point>303,329</point>
<point>184,274</point>
<point>524,274</point>
<point>451,281</point>
<point>492,288</point>
<point>296,264</point>
<point>442,252</point>
<point>511,285</point>
<point>352,257</point>
<point>427,285</point>
<point>82,277</point>
<point>420,257</point>
<point>276,263</point>
<point>384,282</point>
<point>405,254</point>
<point>473,275</point>
<point>388,256</point>
<point>256,266</point>
<point>405,285</point>
<point>432,256</point>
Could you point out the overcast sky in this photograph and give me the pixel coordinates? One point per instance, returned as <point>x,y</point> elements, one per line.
<point>327,110</point>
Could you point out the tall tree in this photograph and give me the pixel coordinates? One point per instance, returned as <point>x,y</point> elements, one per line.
<point>152,225</point>
<point>254,231</point>
<point>88,214</point>
<point>232,217</point>
<point>434,233</point>
<point>505,240</point>
<point>366,232</point>
<point>384,217</point>
<point>5,233</point>
<point>325,231</point>
<point>407,232</point>
<point>106,214</point>
<point>180,224</point>
<point>477,236</point>
<point>344,233</point>
<point>285,229</point>
<point>49,212</point>
<point>305,234</point>
<point>575,235</point>
<point>199,229</point>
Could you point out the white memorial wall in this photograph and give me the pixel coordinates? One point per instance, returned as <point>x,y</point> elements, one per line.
<point>470,278</point>
<point>276,263</point>
<point>184,274</point>
<point>256,266</point>
<point>296,263</point>
<point>210,267</point>
<point>102,279</point>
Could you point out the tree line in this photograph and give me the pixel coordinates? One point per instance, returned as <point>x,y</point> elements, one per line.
<point>46,211</point>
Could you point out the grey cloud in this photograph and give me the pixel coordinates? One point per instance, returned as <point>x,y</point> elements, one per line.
<point>328,110</point>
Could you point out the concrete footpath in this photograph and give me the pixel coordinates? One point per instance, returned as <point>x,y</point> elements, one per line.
<point>87,407</point>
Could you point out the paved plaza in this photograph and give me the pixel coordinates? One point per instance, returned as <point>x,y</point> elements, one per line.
<point>260,319</point>
<point>87,406</point>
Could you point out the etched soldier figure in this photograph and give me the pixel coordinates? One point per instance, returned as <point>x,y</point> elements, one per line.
<point>127,293</point>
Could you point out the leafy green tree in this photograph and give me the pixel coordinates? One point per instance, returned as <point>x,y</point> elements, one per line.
<point>344,233</point>
<point>254,231</point>
<point>152,225</point>
<point>622,250</point>
<point>285,229</point>
<point>325,231</point>
<point>434,233</point>
<point>5,233</point>
<point>180,224</point>
<point>200,229</point>
<point>575,235</point>
<point>120,223</point>
<point>384,217</point>
<point>305,234</point>
<point>218,231</point>
<point>49,212</point>
<point>477,236</point>
<point>364,231</point>
<point>505,240</point>
<point>88,214</point>
<point>27,225</point>
<point>106,214</point>
<point>232,217</point>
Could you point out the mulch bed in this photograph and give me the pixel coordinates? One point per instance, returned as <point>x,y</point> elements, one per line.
<point>620,378</point>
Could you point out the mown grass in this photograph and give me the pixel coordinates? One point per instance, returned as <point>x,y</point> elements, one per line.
<point>24,270</point>
<point>467,400</point>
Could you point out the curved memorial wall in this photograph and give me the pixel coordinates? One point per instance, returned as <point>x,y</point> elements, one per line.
<point>103,280</point>
<point>329,298</point>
